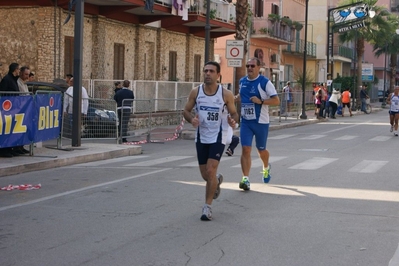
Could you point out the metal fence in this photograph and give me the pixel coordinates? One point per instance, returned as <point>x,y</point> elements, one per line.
<point>147,125</point>
<point>100,121</point>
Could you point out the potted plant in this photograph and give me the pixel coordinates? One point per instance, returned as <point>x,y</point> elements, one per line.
<point>297,25</point>
<point>286,21</point>
<point>273,17</point>
<point>264,30</point>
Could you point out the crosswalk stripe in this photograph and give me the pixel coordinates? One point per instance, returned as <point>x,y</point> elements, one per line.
<point>314,163</point>
<point>258,162</point>
<point>283,136</point>
<point>314,137</point>
<point>368,166</point>
<point>114,160</point>
<point>195,163</point>
<point>159,161</point>
<point>346,137</point>
<point>381,138</point>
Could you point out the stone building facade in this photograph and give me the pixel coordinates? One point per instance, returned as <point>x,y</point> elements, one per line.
<point>35,36</point>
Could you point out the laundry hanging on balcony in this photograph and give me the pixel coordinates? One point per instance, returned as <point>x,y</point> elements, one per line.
<point>180,8</point>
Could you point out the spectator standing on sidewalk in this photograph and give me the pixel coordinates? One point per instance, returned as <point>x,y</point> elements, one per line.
<point>118,86</point>
<point>363,97</point>
<point>346,101</point>
<point>335,96</point>
<point>287,98</point>
<point>323,101</point>
<point>23,78</point>
<point>256,94</point>
<point>31,76</point>
<point>393,101</point>
<point>124,100</point>
<point>9,83</point>
<point>68,104</point>
<point>211,122</point>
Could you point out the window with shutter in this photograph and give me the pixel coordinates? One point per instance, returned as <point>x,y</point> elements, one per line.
<point>68,55</point>
<point>119,61</point>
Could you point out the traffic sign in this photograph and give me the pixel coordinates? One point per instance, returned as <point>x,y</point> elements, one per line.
<point>234,63</point>
<point>234,49</point>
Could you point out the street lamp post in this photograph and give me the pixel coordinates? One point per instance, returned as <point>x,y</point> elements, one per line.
<point>303,114</point>
<point>383,104</point>
<point>207,30</point>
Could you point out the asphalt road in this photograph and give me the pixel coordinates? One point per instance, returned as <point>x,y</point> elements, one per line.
<point>333,200</point>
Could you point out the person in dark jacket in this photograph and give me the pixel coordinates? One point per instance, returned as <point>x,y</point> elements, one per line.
<point>124,100</point>
<point>9,83</point>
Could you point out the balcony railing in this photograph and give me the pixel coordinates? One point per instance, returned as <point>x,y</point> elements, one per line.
<point>276,29</point>
<point>344,52</point>
<point>299,47</point>
<point>219,10</point>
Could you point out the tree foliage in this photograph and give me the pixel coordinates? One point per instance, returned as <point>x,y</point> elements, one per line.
<point>380,23</point>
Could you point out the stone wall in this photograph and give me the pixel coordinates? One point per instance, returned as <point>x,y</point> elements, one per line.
<point>35,36</point>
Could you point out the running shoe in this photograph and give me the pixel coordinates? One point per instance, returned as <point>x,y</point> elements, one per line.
<point>266,174</point>
<point>244,184</point>
<point>229,152</point>
<point>218,189</point>
<point>391,129</point>
<point>206,213</point>
<point>395,134</point>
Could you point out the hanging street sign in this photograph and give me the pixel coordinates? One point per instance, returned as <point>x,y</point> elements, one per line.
<point>351,26</point>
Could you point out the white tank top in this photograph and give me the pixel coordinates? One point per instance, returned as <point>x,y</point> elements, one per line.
<point>212,117</point>
<point>394,103</point>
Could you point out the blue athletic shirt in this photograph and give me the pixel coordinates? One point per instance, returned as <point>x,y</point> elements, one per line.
<point>260,87</point>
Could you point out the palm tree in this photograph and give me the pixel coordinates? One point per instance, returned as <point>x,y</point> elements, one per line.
<point>242,10</point>
<point>388,44</point>
<point>366,34</point>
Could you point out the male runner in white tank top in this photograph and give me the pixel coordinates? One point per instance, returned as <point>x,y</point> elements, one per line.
<point>211,124</point>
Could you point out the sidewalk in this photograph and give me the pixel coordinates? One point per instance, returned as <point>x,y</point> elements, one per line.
<point>48,156</point>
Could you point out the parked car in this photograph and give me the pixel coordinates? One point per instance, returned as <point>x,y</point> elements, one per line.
<point>381,93</point>
<point>100,122</point>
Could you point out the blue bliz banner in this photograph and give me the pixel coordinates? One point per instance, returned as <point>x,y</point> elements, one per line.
<point>48,119</point>
<point>16,120</point>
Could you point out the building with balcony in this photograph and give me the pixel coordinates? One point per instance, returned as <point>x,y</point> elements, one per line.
<point>122,39</point>
<point>276,36</point>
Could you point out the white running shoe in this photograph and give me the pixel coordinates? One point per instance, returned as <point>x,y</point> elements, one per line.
<point>206,213</point>
<point>391,129</point>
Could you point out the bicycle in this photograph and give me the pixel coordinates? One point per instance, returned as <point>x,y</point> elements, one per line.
<point>369,109</point>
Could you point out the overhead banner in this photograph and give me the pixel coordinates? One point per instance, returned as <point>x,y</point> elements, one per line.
<point>26,119</point>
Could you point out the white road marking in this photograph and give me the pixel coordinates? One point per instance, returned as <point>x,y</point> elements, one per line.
<point>258,162</point>
<point>115,160</point>
<point>195,163</point>
<point>314,137</point>
<point>159,161</point>
<point>314,163</point>
<point>346,137</point>
<point>286,136</point>
<point>381,138</point>
<point>367,166</point>
<point>81,189</point>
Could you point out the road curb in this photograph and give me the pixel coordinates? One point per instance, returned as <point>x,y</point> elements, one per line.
<point>85,156</point>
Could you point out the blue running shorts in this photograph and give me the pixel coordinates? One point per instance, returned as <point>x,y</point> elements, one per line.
<point>249,130</point>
